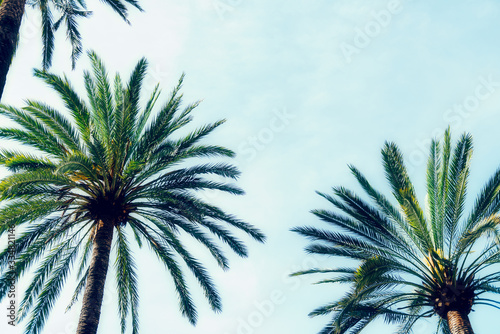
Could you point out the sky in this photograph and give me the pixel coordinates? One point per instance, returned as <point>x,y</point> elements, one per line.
<point>307,87</point>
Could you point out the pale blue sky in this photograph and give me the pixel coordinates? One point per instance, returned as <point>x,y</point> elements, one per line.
<point>307,87</point>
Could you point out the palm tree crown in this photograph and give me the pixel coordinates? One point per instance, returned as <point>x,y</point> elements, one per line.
<point>112,172</point>
<point>412,263</point>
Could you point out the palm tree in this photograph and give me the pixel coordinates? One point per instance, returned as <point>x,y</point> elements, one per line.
<point>114,171</point>
<point>68,11</point>
<point>411,262</point>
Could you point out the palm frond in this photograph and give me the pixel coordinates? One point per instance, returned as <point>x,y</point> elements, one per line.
<point>457,183</point>
<point>185,301</point>
<point>56,122</point>
<point>72,101</point>
<point>433,168</point>
<point>47,33</point>
<point>196,268</point>
<point>50,292</point>
<point>126,279</point>
<point>404,192</point>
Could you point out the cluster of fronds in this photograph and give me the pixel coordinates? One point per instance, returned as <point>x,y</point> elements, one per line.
<point>111,160</point>
<point>410,259</point>
<point>67,14</point>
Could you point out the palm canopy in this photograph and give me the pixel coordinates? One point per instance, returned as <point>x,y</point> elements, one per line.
<point>412,261</point>
<point>111,165</point>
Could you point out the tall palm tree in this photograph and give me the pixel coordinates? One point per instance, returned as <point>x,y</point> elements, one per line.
<point>68,12</point>
<point>412,262</point>
<point>111,172</point>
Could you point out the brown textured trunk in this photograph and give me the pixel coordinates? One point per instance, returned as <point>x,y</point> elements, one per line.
<point>94,290</point>
<point>459,323</point>
<point>11,13</point>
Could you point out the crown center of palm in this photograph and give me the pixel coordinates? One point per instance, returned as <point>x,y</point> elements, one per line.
<point>453,297</point>
<point>109,207</point>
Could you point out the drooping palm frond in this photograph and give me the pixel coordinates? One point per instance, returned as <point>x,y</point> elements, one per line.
<point>107,161</point>
<point>66,13</point>
<point>126,279</point>
<point>411,264</point>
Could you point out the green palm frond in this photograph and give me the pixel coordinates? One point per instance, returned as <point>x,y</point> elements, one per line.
<point>50,292</point>
<point>486,205</point>
<point>56,123</point>
<point>457,183</point>
<point>194,231</point>
<point>196,268</point>
<point>29,121</point>
<point>404,193</point>
<point>434,201</point>
<point>47,32</point>
<point>126,279</point>
<point>19,211</point>
<point>70,12</point>
<point>73,103</point>
<point>185,301</point>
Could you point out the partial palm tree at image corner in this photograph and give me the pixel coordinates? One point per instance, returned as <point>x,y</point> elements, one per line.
<point>68,14</point>
<point>111,172</point>
<point>413,263</point>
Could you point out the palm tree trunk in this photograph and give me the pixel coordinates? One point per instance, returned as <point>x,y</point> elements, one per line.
<point>94,290</point>
<point>459,323</point>
<point>11,13</point>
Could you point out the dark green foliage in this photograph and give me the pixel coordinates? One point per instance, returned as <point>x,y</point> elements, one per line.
<point>413,262</point>
<point>111,162</point>
<point>57,13</point>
